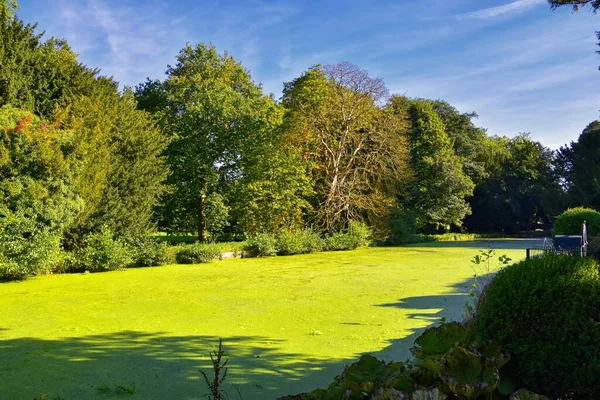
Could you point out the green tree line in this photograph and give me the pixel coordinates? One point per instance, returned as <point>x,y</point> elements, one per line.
<point>205,151</point>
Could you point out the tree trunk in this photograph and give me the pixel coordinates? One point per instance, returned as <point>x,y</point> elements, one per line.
<point>202,218</point>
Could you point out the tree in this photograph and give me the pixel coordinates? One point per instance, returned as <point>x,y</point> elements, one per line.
<point>576,4</point>
<point>520,190</point>
<point>212,111</point>
<point>136,174</point>
<point>115,150</point>
<point>578,168</point>
<point>441,187</point>
<point>37,75</point>
<point>467,139</point>
<point>274,190</point>
<point>37,192</point>
<point>358,148</point>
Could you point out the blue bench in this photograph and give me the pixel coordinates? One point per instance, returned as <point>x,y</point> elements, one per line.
<point>567,243</point>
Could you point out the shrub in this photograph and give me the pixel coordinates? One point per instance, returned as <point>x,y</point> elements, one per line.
<point>148,253</point>
<point>453,237</point>
<point>298,242</point>
<point>197,253</point>
<point>26,246</point>
<point>357,235</point>
<point>22,256</point>
<point>170,254</point>
<point>571,221</point>
<point>339,241</point>
<point>101,251</point>
<point>545,312</point>
<point>261,245</point>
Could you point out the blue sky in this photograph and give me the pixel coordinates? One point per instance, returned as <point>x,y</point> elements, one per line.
<point>521,66</point>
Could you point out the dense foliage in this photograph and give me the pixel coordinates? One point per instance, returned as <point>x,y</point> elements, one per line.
<point>571,222</point>
<point>288,242</point>
<point>214,115</point>
<point>544,311</point>
<point>37,190</point>
<point>197,253</point>
<point>447,365</point>
<point>519,192</point>
<point>75,153</point>
<point>102,251</point>
<point>204,152</point>
<point>578,168</point>
<point>439,193</point>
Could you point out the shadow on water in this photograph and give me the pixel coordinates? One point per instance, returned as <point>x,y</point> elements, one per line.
<point>160,366</point>
<point>429,309</point>
<point>157,366</point>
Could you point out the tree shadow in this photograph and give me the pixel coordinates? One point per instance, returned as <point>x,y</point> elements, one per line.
<point>161,366</point>
<point>153,366</point>
<point>431,309</point>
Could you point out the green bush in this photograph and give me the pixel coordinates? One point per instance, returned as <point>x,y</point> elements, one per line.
<point>197,253</point>
<point>357,235</point>
<point>101,251</point>
<point>546,313</point>
<point>22,256</point>
<point>261,245</point>
<point>27,247</point>
<point>148,253</point>
<point>571,221</point>
<point>453,237</point>
<point>298,242</point>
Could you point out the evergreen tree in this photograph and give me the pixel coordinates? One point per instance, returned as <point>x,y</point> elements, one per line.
<point>440,190</point>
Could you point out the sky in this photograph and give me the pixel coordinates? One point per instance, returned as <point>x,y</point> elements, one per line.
<point>521,66</point>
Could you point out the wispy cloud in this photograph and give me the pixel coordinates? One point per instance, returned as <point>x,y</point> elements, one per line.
<point>493,12</point>
<point>514,73</point>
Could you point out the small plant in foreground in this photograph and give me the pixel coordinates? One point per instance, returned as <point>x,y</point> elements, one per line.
<point>481,264</point>
<point>103,388</point>
<point>125,390</point>
<point>220,373</point>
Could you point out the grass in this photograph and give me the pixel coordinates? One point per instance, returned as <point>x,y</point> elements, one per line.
<point>288,323</point>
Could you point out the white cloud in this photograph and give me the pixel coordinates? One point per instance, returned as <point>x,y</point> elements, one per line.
<point>493,12</point>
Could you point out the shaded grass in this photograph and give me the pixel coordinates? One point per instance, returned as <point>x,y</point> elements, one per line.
<point>152,329</point>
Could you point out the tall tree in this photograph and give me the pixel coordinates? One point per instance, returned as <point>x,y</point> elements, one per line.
<point>112,140</point>
<point>466,138</point>
<point>358,148</point>
<point>578,167</point>
<point>520,189</point>
<point>441,187</point>
<point>211,110</point>
<point>136,174</point>
<point>37,192</point>
<point>274,190</point>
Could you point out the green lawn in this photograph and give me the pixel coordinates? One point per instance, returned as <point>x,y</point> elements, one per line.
<point>288,323</point>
